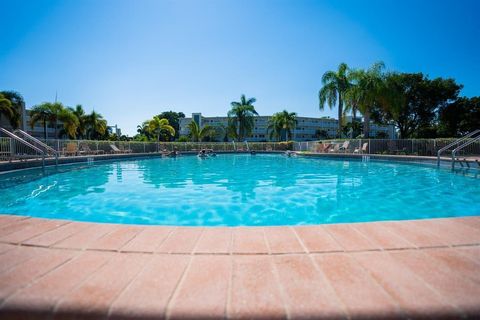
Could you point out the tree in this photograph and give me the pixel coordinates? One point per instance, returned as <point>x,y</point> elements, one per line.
<point>334,86</point>
<point>17,104</point>
<point>70,123</point>
<point>173,119</point>
<point>6,109</point>
<point>241,118</point>
<point>459,117</point>
<point>79,113</point>
<point>281,125</point>
<point>197,135</point>
<point>55,110</point>
<point>321,134</point>
<point>365,92</point>
<point>352,129</point>
<point>412,102</point>
<point>158,126</point>
<point>144,133</point>
<point>40,113</point>
<point>96,125</point>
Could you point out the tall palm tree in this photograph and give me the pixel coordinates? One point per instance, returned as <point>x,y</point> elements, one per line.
<point>366,91</point>
<point>197,134</point>
<point>353,95</point>
<point>40,113</point>
<point>159,125</point>
<point>241,117</point>
<point>334,86</point>
<point>56,110</point>
<point>6,108</point>
<point>79,113</point>
<point>95,125</point>
<point>281,124</point>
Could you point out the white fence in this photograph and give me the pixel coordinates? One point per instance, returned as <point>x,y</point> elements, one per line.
<point>93,147</point>
<point>421,147</point>
<point>418,147</point>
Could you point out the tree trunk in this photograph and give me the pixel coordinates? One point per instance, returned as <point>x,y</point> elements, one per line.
<point>340,114</point>
<point>366,124</point>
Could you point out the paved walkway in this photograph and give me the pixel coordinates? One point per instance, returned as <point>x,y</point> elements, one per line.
<point>409,269</point>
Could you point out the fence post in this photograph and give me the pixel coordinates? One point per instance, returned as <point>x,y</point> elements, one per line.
<point>369,145</point>
<point>11,149</point>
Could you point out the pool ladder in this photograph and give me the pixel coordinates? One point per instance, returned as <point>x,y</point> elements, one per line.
<point>20,148</point>
<point>49,151</point>
<point>460,144</point>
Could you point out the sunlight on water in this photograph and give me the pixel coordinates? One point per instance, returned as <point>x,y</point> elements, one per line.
<point>240,190</point>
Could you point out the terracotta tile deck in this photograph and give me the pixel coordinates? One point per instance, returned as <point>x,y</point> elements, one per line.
<point>407,269</point>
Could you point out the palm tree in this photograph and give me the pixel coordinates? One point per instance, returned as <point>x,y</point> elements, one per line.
<point>159,125</point>
<point>40,113</point>
<point>47,112</point>
<point>352,95</point>
<point>366,91</point>
<point>95,125</point>
<point>6,108</point>
<point>70,123</point>
<point>197,134</point>
<point>79,113</point>
<point>56,110</point>
<point>17,104</point>
<point>282,124</point>
<point>241,118</point>
<point>334,86</point>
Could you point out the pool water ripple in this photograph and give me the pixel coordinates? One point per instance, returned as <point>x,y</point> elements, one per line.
<point>232,190</point>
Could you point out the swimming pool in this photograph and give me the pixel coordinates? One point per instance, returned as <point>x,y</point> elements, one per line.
<point>233,190</point>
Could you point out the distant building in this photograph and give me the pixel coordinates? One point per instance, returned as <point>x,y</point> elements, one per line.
<point>307,128</point>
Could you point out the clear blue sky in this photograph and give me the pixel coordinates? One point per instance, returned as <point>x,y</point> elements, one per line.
<point>130,60</point>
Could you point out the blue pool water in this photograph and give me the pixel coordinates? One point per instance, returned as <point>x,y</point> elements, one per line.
<point>236,190</point>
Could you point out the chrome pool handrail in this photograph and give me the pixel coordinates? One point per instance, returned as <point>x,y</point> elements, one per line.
<point>46,147</point>
<point>16,138</point>
<point>454,152</point>
<point>456,142</point>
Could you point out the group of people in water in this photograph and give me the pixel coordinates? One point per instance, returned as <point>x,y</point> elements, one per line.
<point>206,153</point>
<point>170,154</point>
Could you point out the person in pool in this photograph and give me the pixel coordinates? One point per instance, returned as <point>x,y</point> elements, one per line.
<point>202,154</point>
<point>174,153</point>
<point>211,153</point>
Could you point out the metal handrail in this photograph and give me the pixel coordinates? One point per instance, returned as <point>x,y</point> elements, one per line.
<point>40,143</point>
<point>454,152</point>
<point>25,143</point>
<point>456,142</point>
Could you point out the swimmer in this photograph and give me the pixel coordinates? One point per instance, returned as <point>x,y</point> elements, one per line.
<point>202,154</point>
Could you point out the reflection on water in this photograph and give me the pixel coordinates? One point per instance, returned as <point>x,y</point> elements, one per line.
<point>239,190</point>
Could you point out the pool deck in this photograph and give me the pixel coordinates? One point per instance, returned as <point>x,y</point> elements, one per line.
<point>405,269</point>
